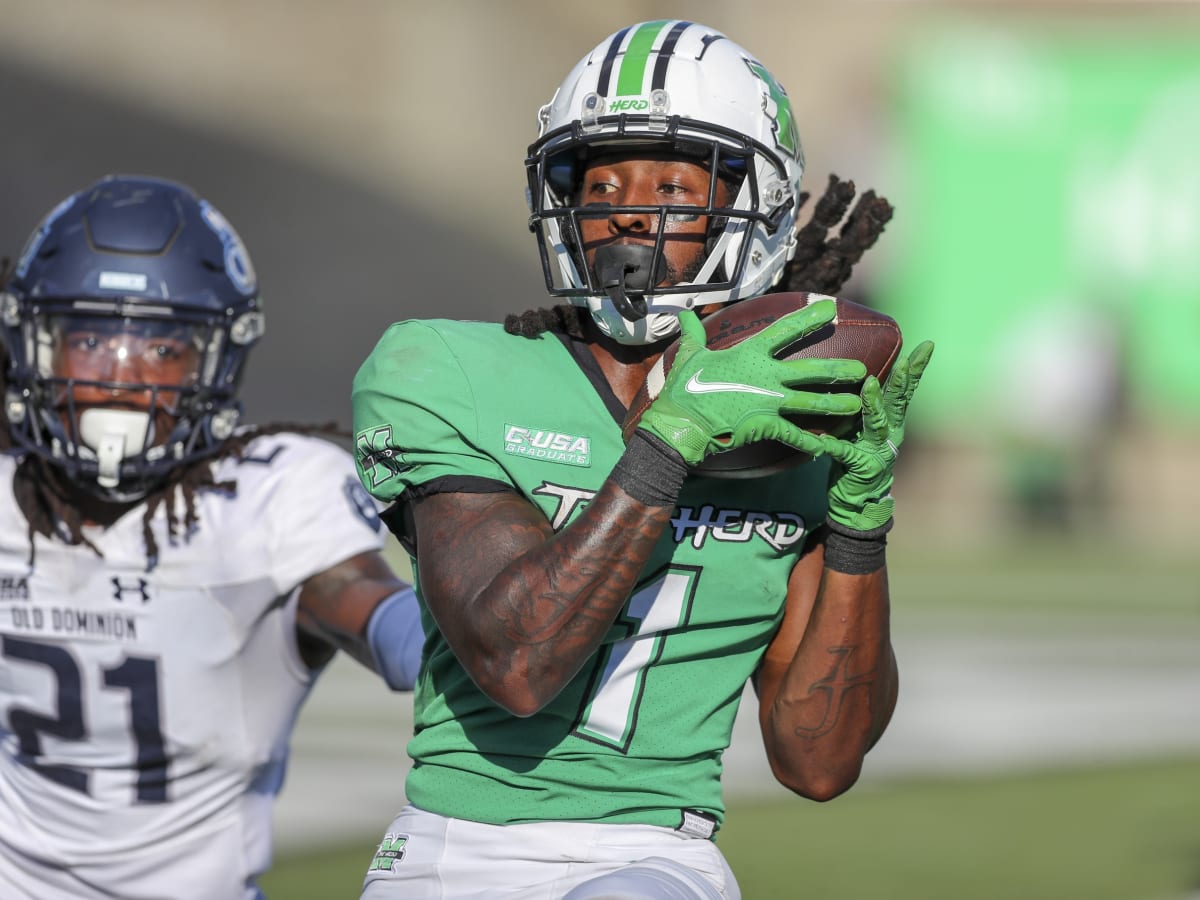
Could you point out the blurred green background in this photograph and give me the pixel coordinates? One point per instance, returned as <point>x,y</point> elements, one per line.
<point>1041,158</point>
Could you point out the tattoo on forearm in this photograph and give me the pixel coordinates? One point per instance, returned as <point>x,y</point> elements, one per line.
<point>568,606</point>
<point>556,594</point>
<point>835,687</point>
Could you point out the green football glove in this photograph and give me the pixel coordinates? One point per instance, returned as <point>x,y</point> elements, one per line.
<point>861,479</point>
<point>715,400</point>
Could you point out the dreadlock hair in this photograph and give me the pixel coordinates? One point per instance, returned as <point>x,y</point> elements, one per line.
<point>562,318</point>
<point>822,265</point>
<point>38,488</point>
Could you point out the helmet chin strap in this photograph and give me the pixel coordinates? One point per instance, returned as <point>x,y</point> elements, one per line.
<point>624,268</point>
<point>113,434</point>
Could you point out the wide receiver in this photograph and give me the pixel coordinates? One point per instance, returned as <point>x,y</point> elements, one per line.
<point>171,583</point>
<point>595,609</point>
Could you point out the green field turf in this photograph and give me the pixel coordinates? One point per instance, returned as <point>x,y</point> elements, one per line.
<point>1114,833</point>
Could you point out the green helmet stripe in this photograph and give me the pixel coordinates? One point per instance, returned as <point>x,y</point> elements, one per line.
<point>637,55</point>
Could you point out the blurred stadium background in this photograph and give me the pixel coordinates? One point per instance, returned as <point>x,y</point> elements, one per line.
<point>1042,161</point>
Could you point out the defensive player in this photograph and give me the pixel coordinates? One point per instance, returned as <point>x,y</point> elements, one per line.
<point>171,582</point>
<point>598,607</point>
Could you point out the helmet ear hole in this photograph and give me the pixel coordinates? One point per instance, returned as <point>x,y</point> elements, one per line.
<point>562,176</point>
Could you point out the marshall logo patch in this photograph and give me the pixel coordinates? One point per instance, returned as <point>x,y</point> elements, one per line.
<point>389,852</point>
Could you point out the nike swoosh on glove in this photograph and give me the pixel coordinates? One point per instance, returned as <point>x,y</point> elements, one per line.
<point>716,400</point>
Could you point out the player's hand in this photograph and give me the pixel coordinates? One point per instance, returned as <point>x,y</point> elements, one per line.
<point>861,479</point>
<point>716,400</point>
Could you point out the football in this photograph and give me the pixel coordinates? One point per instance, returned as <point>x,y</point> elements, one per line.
<point>857,332</point>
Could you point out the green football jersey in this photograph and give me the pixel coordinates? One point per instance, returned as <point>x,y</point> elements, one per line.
<point>639,733</point>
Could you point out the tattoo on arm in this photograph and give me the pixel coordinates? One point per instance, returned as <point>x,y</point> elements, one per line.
<point>569,592</point>
<point>567,611</point>
<point>540,601</point>
<point>835,686</point>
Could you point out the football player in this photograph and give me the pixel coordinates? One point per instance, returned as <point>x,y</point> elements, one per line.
<point>599,607</point>
<point>172,581</point>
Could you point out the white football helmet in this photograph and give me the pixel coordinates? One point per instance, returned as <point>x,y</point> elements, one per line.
<point>688,89</point>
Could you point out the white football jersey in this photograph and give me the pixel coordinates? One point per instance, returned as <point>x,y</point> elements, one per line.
<point>145,715</point>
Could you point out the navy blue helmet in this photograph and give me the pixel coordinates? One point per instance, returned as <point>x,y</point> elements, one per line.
<point>128,320</point>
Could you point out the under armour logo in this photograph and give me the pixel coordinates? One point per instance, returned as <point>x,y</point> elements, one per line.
<point>119,589</point>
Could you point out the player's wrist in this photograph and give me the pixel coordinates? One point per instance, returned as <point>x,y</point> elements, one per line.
<point>855,551</point>
<point>651,471</point>
<point>676,431</point>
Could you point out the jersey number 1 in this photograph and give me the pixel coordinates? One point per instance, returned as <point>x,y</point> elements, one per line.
<point>615,695</point>
<point>137,675</point>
